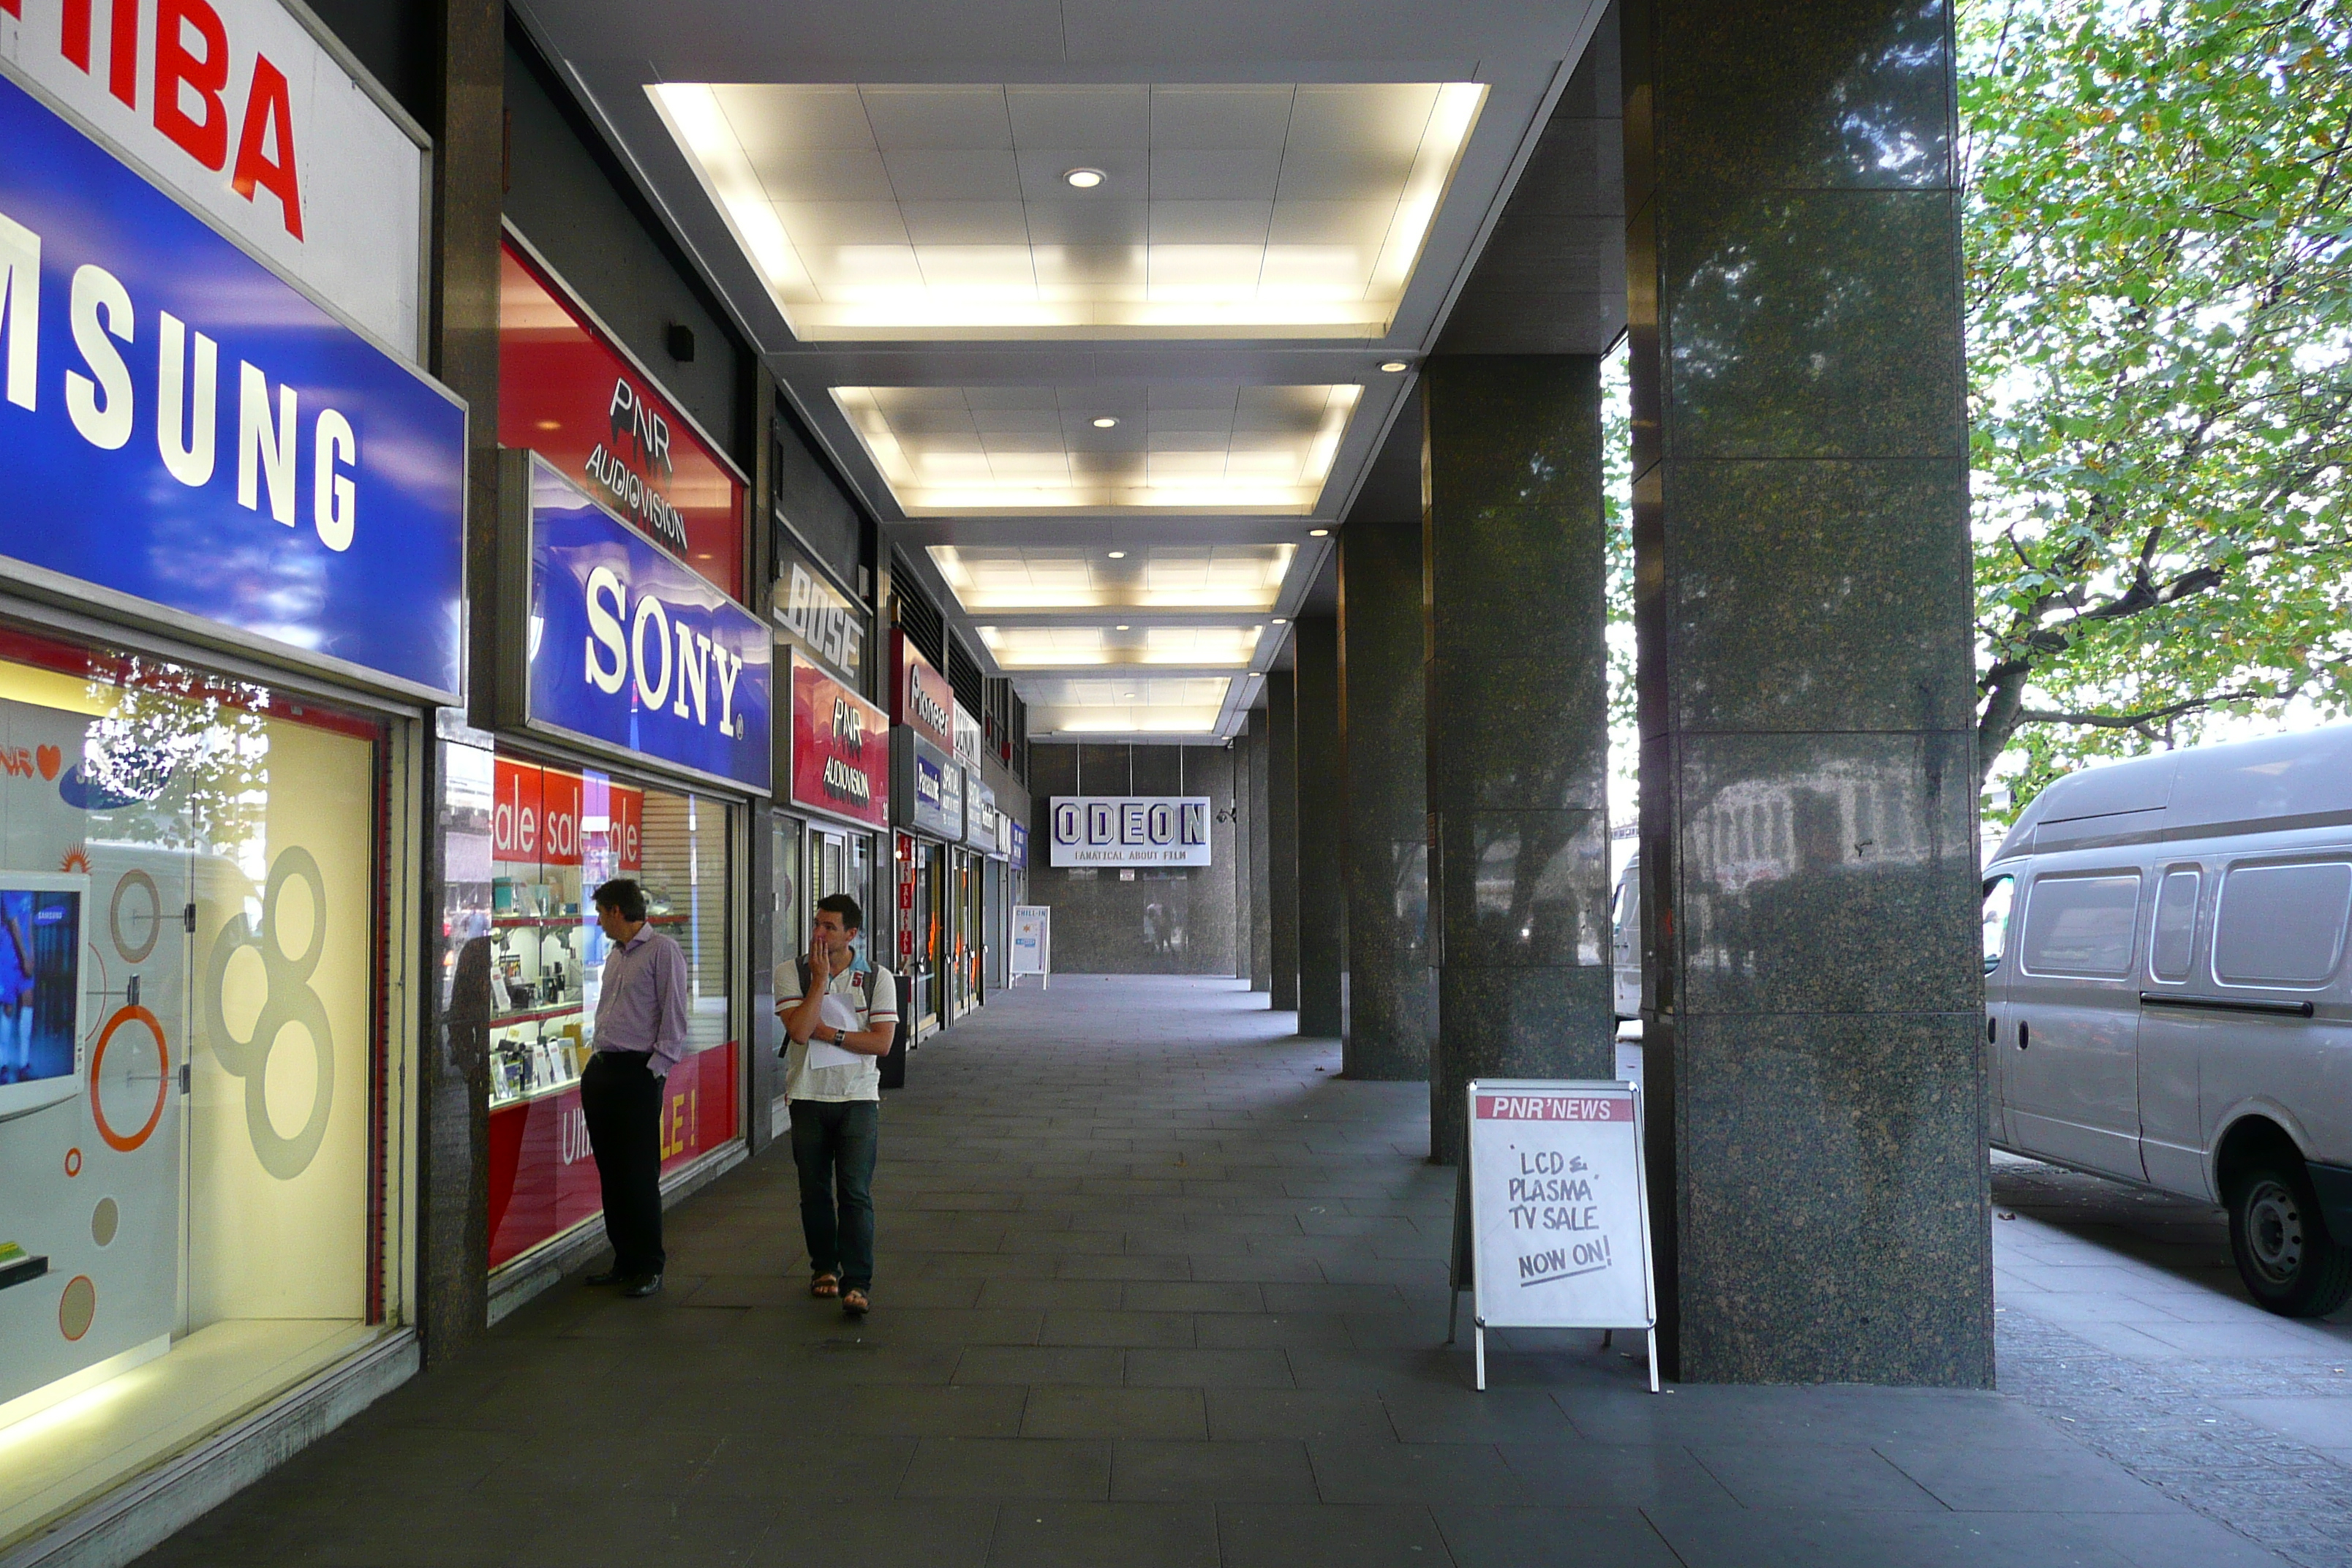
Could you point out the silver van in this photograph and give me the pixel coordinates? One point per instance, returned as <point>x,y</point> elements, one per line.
<point>2167,996</point>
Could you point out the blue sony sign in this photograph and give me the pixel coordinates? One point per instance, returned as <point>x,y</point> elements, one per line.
<point>183,429</point>
<point>633,649</point>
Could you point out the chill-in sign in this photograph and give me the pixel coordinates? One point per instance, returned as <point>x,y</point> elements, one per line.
<point>823,622</point>
<point>841,748</point>
<point>239,108</point>
<point>1129,830</point>
<point>184,428</point>
<point>631,649</point>
<point>920,697</point>
<point>547,816</point>
<point>569,393</point>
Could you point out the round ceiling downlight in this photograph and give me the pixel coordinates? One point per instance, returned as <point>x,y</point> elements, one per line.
<point>1083,178</point>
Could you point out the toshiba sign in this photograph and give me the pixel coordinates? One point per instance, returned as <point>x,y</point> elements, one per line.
<point>240,109</point>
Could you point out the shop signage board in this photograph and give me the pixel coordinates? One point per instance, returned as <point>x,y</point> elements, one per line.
<point>1129,830</point>
<point>841,748</point>
<point>934,789</point>
<point>967,737</point>
<point>1557,1217</point>
<point>632,651</point>
<point>567,391</point>
<point>1020,839</point>
<point>920,697</point>
<point>979,812</point>
<point>189,433</point>
<point>1033,943</point>
<point>822,621</point>
<point>255,117</point>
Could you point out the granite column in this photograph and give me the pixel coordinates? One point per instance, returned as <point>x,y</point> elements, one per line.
<point>1386,848</point>
<point>1282,829</point>
<point>1261,851</point>
<point>1517,752</point>
<point>1322,888</point>
<point>1816,1098</point>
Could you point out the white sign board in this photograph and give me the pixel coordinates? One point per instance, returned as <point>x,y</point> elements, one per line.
<point>259,123</point>
<point>1558,1210</point>
<point>1033,941</point>
<point>1129,830</point>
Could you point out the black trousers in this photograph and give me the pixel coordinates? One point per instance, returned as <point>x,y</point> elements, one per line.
<point>620,1099</point>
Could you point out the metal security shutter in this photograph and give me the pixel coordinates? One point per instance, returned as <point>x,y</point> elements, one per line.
<point>914,614</point>
<point>963,674</point>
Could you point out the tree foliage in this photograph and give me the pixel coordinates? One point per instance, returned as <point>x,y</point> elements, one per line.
<point>2158,248</point>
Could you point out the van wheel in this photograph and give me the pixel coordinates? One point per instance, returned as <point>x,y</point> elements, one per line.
<point>2289,1262</point>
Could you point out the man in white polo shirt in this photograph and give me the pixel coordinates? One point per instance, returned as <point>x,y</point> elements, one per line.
<point>840,1014</point>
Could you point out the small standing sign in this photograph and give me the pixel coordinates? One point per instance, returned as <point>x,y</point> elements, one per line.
<point>1556,1217</point>
<point>1033,943</point>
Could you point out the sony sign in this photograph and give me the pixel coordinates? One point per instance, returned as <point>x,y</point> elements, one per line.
<point>1129,830</point>
<point>240,108</point>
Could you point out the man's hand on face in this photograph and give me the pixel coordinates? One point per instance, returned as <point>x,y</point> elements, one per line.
<point>820,961</point>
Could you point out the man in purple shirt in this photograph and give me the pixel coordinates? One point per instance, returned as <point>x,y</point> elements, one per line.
<point>640,1036</point>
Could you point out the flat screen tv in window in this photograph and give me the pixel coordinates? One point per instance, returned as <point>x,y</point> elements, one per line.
<point>41,922</point>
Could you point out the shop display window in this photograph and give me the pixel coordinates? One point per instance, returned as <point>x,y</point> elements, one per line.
<point>195,1189</point>
<point>535,945</point>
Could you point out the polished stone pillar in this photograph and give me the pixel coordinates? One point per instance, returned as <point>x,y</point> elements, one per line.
<point>1382,690</point>
<point>1322,887</point>
<point>1261,842</point>
<point>1517,756</point>
<point>451,1300</point>
<point>1282,829</point>
<point>1816,1098</point>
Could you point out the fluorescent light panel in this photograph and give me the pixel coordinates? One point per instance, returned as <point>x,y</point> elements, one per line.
<point>1245,578</point>
<point>1144,706</point>
<point>958,451</point>
<point>1063,648</point>
<point>884,212</point>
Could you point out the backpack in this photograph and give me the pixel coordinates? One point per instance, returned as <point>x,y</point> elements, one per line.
<point>893,1066</point>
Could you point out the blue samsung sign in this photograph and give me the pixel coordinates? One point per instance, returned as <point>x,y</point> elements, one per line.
<point>183,429</point>
<point>634,649</point>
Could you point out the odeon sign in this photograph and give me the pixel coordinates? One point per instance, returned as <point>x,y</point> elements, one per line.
<point>1129,830</point>
<point>632,650</point>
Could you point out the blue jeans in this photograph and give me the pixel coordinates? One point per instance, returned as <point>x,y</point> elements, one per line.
<point>833,1143</point>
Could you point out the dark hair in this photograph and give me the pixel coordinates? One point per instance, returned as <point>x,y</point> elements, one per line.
<point>842,904</point>
<point>623,896</point>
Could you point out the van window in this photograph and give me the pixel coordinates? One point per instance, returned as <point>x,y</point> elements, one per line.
<point>2082,925</point>
<point>2281,925</point>
<point>2000,894</point>
<point>2176,926</point>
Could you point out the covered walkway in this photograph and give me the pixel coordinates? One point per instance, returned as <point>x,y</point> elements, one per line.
<point>1155,1288</point>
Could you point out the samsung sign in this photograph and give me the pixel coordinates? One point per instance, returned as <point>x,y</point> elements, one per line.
<point>184,428</point>
<point>1130,830</point>
<point>632,650</point>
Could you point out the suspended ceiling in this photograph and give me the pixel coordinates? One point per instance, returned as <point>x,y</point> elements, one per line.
<point>1291,197</point>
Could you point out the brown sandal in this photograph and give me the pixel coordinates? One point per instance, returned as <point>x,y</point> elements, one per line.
<point>825,1285</point>
<point>853,1302</point>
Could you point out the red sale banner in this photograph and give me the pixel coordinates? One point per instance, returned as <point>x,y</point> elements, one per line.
<point>547,816</point>
<point>841,748</point>
<point>543,1173</point>
<point>568,393</point>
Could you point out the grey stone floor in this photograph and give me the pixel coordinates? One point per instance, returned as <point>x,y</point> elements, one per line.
<point>1156,1288</point>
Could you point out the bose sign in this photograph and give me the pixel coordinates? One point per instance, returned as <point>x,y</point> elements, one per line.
<point>1130,830</point>
<point>632,647</point>
<point>240,108</point>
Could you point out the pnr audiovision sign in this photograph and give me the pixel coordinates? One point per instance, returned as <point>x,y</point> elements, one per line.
<point>1130,830</point>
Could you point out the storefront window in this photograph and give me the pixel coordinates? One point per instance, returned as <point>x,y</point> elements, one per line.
<point>193,1084</point>
<point>556,834</point>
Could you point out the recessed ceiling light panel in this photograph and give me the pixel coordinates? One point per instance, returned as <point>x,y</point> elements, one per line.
<point>951,211</point>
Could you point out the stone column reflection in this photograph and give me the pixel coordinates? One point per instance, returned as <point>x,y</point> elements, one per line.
<point>1518,755</point>
<point>1816,1098</point>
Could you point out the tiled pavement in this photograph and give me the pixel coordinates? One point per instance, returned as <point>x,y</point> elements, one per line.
<point>1156,1288</point>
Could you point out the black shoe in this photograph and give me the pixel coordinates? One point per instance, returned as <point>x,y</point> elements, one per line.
<point>643,1286</point>
<point>610,1276</point>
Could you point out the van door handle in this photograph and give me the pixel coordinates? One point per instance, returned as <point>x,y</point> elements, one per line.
<point>2021,1035</point>
<point>1992,1031</point>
